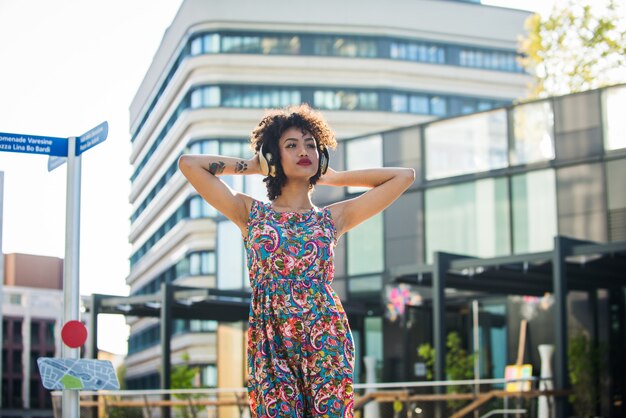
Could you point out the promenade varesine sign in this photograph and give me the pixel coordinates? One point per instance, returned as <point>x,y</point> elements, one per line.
<point>33,144</point>
<point>50,145</point>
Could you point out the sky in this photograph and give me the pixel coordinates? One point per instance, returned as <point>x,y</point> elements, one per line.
<point>67,66</point>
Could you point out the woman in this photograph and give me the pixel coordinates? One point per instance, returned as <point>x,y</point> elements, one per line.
<point>300,349</point>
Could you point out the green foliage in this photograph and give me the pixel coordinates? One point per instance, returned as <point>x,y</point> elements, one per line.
<point>427,352</point>
<point>182,377</point>
<point>121,376</point>
<point>118,412</point>
<point>459,365</point>
<point>586,366</point>
<point>580,46</point>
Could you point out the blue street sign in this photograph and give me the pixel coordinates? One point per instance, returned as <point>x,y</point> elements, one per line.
<point>92,138</point>
<point>33,144</point>
<point>54,162</point>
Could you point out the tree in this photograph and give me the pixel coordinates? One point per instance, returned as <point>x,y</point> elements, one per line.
<point>580,46</point>
<point>586,367</point>
<point>183,377</point>
<point>459,365</point>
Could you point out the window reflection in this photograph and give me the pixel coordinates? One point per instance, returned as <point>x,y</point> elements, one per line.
<point>344,46</point>
<point>230,256</point>
<point>417,51</point>
<point>466,145</point>
<point>533,133</point>
<point>534,211</point>
<point>363,153</point>
<point>614,100</point>
<point>365,248</point>
<point>468,218</point>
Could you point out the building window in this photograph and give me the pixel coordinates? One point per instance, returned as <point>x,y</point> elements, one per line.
<point>205,44</point>
<point>361,153</point>
<point>417,51</point>
<point>15,299</point>
<point>534,211</point>
<point>199,208</point>
<point>208,376</point>
<point>200,263</point>
<point>209,96</point>
<point>230,256</point>
<point>616,199</point>
<point>533,133</point>
<point>345,100</point>
<point>614,100</point>
<point>365,247</point>
<point>207,146</point>
<point>344,46</point>
<point>466,145</point>
<point>259,96</point>
<point>468,218</point>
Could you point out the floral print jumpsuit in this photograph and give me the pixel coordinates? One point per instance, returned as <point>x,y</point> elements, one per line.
<point>300,349</point>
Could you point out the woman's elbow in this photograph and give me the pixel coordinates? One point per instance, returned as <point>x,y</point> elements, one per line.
<point>184,162</point>
<point>408,175</point>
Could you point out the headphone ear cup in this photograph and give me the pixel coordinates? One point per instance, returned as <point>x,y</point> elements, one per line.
<point>265,162</point>
<point>324,159</point>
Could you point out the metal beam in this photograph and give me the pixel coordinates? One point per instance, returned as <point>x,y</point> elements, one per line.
<point>562,248</point>
<point>166,336</point>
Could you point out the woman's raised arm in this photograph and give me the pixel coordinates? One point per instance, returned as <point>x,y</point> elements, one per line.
<point>387,184</point>
<point>202,171</point>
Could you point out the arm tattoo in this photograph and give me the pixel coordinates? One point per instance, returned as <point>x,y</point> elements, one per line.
<point>217,168</point>
<point>240,167</point>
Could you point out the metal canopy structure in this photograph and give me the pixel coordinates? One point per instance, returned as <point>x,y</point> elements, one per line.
<point>178,302</point>
<point>571,265</point>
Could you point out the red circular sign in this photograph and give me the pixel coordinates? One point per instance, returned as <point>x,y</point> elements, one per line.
<point>74,334</point>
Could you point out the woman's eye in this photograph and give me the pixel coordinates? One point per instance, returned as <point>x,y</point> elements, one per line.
<point>311,146</point>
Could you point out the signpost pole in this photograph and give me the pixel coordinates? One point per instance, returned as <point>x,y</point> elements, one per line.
<point>71,293</point>
<point>1,271</point>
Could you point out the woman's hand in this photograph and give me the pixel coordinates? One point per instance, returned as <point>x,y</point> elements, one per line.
<point>328,178</point>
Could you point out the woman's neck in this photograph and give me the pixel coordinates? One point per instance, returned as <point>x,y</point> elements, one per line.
<point>294,197</point>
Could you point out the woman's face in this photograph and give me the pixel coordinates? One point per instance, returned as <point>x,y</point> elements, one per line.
<point>298,154</point>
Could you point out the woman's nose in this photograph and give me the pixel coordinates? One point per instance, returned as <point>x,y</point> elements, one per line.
<point>302,152</point>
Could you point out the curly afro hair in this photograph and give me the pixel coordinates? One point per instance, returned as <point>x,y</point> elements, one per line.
<point>274,124</point>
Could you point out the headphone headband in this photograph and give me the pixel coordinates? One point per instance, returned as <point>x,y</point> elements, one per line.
<point>268,165</point>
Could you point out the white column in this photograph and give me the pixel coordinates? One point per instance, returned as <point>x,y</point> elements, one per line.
<point>546,403</point>
<point>371,410</point>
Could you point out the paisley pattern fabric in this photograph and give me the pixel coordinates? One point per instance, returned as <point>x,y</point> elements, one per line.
<point>300,349</point>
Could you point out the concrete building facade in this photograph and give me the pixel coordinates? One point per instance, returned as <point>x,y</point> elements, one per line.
<point>32,309</point>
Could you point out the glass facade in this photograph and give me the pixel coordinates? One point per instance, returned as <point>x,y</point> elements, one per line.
<point>614,101</point>
<point>365,246</point>
<point>581,203</point>
<point>199,263</point>
<point>466,145</point>
<point>616,199</point>
<point>468,218</point>
<point>363,153</point>
<point>324,98</point>
<point>231,260</point>
<point>533,133</point>
<point>310,44</point>
<point>533,201</point>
